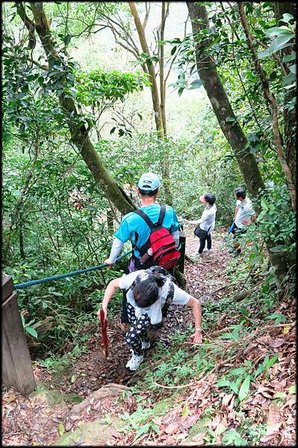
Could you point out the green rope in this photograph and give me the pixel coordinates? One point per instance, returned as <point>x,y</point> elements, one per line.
<point>61,276</point>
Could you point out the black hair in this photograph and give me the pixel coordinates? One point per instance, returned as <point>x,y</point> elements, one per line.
<point>145,292</point>
<point>240,192</point>
<point>210,198</point>
<point>148,193</point>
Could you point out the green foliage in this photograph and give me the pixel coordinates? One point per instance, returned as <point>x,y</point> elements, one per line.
<point>141,421</point>
<point>235,335</point>
<point>284,36</point>
<point>70,20</point>
<point>51,237</point>
<point>233,437</point>
<point>277,219</point>
<point>97,86</point>
<point>29,329</point>
<point>265,365</point>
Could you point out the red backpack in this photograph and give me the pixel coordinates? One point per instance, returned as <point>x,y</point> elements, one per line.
<point>161,243</point>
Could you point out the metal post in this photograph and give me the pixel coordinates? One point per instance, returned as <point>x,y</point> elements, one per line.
<point>16,362</point>
<point>182,244</point>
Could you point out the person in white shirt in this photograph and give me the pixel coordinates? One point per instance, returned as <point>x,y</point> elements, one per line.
<point>147,292</point>
<point>244,215</point>
<point>244,212</point>
<point>206,222</point>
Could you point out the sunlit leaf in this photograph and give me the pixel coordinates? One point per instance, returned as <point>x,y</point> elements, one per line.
<point>243,391</point>
<point>292,389</point>
<point>279,248</point>
<point>61,429</point>
<point>31,331</point>
<point>143,430</point>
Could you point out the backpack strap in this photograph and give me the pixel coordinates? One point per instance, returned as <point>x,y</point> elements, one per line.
<point>162,271</point>
<point>134,283</point>
<point>148,220</point>
<point>170,294</point>
<point>150,224</point>
<point>161,215</point>
<point>145,217</point>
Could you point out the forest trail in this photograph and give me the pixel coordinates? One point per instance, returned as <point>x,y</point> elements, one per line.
<point>67,402</point>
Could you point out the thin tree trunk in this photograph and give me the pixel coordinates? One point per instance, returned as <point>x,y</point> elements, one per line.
<point>221,105</point>
<point>150,67</point>
<point>162,86</point>
<point>158,107</point>
<point>78,132</point>
<point>21,238</point>
<point>15,215</point>
<point>269,96</point>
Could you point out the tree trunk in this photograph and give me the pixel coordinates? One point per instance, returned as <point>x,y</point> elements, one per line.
<point>290,121</point>
<point>273,106</point>
<point>151,71</point>
<point>229,124</point>
<point>79,133</point>
<point>158,107</point>
<point>162,86</point>
<point>221,105</point>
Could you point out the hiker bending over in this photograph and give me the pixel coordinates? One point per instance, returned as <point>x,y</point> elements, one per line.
<point>148,291</point>
<point>206,222</point>
<point>133,228</point>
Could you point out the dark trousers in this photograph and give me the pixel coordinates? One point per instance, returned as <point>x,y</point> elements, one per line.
<point>203,240</point>
<point>138,330</point>
<point>237,233</point>
<point>138,266</point>
<point>124,315</point>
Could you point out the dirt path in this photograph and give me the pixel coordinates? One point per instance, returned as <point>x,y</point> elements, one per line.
<point>24,418</point>
<point>68,406</point>
<point>36,419</point>
<point>207,275</point>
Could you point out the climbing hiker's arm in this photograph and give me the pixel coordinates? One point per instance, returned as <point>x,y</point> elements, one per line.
<point>195,306</point>
<point>109,293</point>
<point>115,251</point>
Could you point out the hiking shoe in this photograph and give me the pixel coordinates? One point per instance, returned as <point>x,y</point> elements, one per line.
<point>145,345</point>
<point>134,362</point>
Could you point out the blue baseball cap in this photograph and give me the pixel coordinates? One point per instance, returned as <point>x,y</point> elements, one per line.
<point>149,182</point>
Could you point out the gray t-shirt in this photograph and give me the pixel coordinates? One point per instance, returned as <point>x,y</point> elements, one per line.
<point>244,213</point>
<point>154,311</point>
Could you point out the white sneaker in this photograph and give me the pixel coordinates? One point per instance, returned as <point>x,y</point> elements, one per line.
<point>134,362</point>
<point>145,345</point>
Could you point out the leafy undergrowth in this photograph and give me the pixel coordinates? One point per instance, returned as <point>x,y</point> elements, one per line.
<point>237,388</point>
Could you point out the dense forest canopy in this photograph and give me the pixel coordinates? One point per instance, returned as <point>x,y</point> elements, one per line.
<point>95,94</point>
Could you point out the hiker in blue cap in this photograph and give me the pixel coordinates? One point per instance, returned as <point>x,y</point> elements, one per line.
<point>133,228</point>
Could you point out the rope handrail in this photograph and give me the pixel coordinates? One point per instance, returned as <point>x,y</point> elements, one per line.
<point>61,276</point>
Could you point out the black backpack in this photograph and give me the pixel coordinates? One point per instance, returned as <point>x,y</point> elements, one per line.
<point>165,275</point>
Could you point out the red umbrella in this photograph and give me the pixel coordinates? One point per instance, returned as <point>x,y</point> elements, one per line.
<point>104,335</point>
